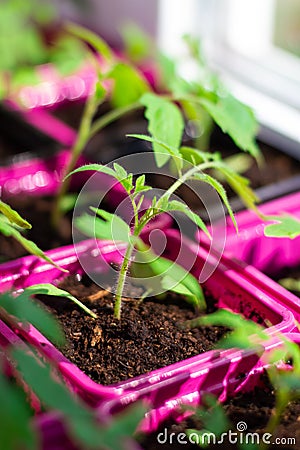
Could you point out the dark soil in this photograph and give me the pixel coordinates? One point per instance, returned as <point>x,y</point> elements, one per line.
<point>111,143</point>
<point>292,273</point>
<point>19,140</point>
<point>148,336</point>
<point>277,167</point>
<point>254,408</point>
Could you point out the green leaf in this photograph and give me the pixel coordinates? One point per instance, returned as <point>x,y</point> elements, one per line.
<point>196,156</point>
<point>68,202</point>
<point>193,155</point>
<point>8,230</point>
<point>16,429</point>
<point>24,76</point>
<point>239,162</point>
<point>166,124</point>
<point>140,185</point>
<point>27,310</point>
<point>91,38</point>
<point>123,426</point>
<point>105,226</point>
<point>167,68</point>
<point>175,205</point>
<point>195,47</point>
<point>100,91</point>
<point>220,190</point>
<point>214,420</point>
<point>172,276</point>
<point>120,171</point>
<point>137,44</point>
<point>129,85</point>
<point>169,283</point>
<point>67,54</point>
<point>212,415</point>
<point>287,226</point>
<point>244,331</point>
<point>95,168</point>
<point>13,216</point>
<point>80,420</point>
<point>287,350</point>
<point>240,185</point>
<point>236,119</point>
<point>290,283</point>
<point>118,175</point>
<point>169,150</point>
<point>50,289</point>
<point>56,396</point>
<point>173,151</point>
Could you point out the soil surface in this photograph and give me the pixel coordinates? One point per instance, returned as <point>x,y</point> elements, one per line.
<point>253,408</point>
<point>147,337</point>
<point>17,137</point>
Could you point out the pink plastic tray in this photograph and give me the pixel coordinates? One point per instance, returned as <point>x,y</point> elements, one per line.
<point>35,174</point>
<point>54,88</point>
<point>53,430</point>
<point>163,389</point>
<point>265,254</point>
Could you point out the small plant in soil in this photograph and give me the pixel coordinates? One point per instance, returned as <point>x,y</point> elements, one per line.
<point>105,225</point>
<point>165,115</point>
<point>127,90</point>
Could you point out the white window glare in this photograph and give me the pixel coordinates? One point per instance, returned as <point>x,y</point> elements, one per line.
<point>175,18</point>
<point>249,27</point>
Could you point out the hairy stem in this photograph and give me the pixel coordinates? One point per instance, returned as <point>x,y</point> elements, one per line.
<point>125,263</point>
<point>186,176</point>
<point>121,281</point>
<point>155,211</point>
<point>139,225</point>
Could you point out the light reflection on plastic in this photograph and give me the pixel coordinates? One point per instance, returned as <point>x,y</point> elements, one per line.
<point>48,93</point>
<point>41,178</point>
<point>27,183</point>
<point>75,87</point>
<point>12,186</point>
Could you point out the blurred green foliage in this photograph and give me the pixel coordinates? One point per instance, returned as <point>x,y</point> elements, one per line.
<point>30,35</point>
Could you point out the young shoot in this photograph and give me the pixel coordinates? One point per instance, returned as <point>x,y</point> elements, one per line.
<point>127,90</point>
<point>110,226</point>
